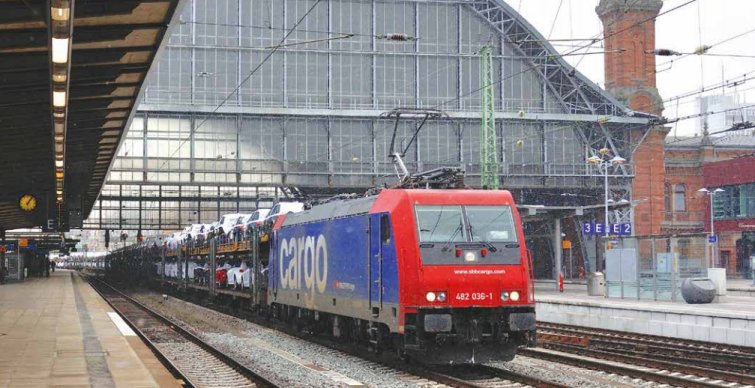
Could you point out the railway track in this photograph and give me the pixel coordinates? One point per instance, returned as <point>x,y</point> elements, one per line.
<point>461,376</point>
<point>660,359</point>
<point>491,377</point>
<point>477,376</point>
<point>185,355</point>
<point>657,344</point>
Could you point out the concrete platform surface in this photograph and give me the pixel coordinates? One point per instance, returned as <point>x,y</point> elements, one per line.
<point>56,331</point>
<point>730,320</point>
<point>740,287</point>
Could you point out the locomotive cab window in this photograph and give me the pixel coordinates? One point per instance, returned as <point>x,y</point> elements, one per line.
<point>385,229</point>
<point>491,223</point>
<point>440,224</point>
<point>467,235</point>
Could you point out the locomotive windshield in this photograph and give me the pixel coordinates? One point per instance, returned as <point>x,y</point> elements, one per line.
<point>440,224</point>
<point>449,224</point>
<point>446,230</point>
<point>491,223</point>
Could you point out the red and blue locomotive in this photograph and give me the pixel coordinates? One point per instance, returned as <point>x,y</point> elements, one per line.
<point>442,276</point>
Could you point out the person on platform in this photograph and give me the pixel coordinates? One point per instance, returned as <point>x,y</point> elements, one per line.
<point>47,266</point>
<point>53,265</point>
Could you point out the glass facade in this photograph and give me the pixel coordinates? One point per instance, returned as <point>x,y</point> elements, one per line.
<point>338,57</point>
<point>217,114</point>
<point>736,201</point>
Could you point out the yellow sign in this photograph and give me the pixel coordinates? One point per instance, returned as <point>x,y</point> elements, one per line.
<point>566,244</point>
<point>23,243</point>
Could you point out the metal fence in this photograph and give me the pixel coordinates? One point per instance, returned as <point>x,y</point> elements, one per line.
<point>653,268</point>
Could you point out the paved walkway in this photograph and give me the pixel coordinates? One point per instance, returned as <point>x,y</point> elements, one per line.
<point>56,331</point>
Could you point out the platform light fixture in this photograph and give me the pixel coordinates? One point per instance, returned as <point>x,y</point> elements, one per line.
<point>59,77</point>
<point>60,50</point>
<point>60,14</point>
<point>603,162</point>
<point>618,160</point>
<point>59,99</point>
<point>60,44</point>
<point>713,249</point>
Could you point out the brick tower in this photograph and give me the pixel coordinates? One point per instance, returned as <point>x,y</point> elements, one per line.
<point>629,28</point>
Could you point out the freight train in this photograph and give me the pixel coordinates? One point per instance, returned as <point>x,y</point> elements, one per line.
<point>439,276</point>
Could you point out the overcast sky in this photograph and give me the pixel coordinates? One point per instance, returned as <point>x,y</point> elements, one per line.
<point>679,30</point>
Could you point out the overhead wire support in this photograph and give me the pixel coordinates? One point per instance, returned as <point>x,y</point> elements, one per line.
<point>488,141</point>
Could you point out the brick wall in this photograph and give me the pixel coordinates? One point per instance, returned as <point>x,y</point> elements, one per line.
<point>648,184</point>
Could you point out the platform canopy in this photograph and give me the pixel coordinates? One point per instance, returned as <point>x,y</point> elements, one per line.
<point>114,43</point>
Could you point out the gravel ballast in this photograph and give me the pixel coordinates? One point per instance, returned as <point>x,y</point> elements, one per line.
<point>294,362</point>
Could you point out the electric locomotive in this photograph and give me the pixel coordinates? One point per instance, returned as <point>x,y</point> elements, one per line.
<point>441,276</point>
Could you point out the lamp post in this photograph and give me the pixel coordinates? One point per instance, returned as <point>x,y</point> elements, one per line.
<point>604,162</point>
<point>713,250</point>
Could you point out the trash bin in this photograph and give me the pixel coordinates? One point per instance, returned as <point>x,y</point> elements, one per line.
<point>718,276</point>
<point>596,284</point>
<point>698,290</point>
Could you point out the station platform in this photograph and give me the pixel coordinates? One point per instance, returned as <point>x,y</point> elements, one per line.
<point>740,287</point>
<point>58,331</point>
<point>730,320</point>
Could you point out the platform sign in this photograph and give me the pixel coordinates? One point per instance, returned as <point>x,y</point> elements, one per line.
<point>50,226</point>
<point>598,229</point>
<point>23,243</point>
<point>712,239</point>
<point>623,229</point>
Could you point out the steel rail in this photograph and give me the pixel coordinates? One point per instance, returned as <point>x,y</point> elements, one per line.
<point>260,381</point>
<point>645,373</point>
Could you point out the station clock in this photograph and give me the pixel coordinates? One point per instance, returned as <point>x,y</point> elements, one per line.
<point>27,202</point>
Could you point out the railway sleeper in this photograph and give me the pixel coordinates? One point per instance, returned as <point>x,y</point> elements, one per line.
<point>657,364</point>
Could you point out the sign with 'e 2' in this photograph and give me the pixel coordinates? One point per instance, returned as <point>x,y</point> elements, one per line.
<point>599,229</point>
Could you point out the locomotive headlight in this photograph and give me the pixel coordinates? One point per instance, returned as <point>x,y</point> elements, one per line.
<point>441,297</point>
<point>504,296</point>
<point>470,256</point>
<point>514,296</point>
<point>430,296</point>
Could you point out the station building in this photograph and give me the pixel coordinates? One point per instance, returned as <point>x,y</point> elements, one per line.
<point>733,211</point>
<point>214,134</point>
<point>712,162</point>
<point>669,171</point>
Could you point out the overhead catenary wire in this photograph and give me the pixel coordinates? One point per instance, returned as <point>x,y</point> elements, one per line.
<point>555,18</point>
<point>750,75</point>
<point>249,76</point>
<point>275,48</point>
<point>701,114</point>
<point>636,24</point>
<point>528,68</point>
<point>671,62</point>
